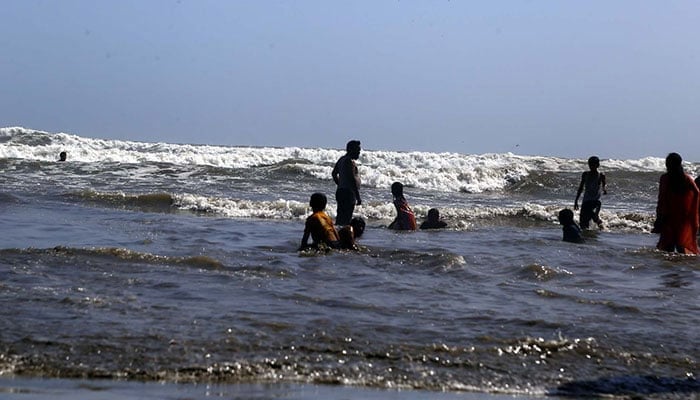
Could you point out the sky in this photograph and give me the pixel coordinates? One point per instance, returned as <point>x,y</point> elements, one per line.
<point>618,79</point>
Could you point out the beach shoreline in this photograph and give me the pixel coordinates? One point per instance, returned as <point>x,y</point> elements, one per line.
<point>37,388</point>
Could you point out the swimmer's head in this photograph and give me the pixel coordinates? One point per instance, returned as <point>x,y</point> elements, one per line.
<point>397,189</point>
<point>318,201</point>
<point>593,162</point>
<point>566,216</point>
<point>358,226</point>
<point>433,215</point>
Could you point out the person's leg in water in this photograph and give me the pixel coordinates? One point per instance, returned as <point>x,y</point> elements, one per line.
<point>586,215</point>
<point>596,210</point>
<point>346,205</point>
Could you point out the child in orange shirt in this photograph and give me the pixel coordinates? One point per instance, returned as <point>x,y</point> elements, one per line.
<point>319,225</point>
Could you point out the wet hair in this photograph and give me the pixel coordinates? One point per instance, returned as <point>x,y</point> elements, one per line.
<point>674,163</point>
<point>593,160</point>
<point>397,189</point>
<point>352,145</point>
<point>566,216</point>
<point>433,214</point>
<point>318,201</point>
<point>358,226</point>
<point>62,156</point>
<point>676,175</point>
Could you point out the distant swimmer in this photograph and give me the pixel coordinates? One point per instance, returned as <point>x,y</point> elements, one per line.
<point>62,156</point>
<point>677,217</point>
<point>593,182</point>
<point>319,225</point>
<point>433,220</point>
<point>572,232</point>
<point>405,218</point>
<point>347,177</point>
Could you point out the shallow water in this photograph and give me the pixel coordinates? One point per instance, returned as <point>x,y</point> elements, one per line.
<point>78,389</point>
<point>142,272</point>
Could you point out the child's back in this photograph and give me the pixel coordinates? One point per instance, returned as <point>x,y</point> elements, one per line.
<point>571,231</point>
<point>319,226</point>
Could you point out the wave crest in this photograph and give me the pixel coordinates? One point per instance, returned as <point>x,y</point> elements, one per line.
<point>443,172</point>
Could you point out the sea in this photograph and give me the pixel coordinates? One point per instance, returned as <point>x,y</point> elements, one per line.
<point>171,271</point>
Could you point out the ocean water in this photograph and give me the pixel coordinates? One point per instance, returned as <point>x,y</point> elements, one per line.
<point>158,262</point>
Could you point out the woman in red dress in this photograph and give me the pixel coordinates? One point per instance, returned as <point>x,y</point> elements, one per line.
<point>405,218</point>
<point>677,209</point>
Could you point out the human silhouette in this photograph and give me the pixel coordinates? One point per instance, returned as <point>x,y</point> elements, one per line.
<point>594,184</point>
<point>571,231</point>
<point>349,234</point>
<point>347,177</point>
<point>433,220</point>
<point>677,209</point>
<point>319,226</point>
<point>405,218</point>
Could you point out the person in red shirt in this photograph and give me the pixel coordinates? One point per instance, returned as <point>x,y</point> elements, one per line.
<point>405,218</point>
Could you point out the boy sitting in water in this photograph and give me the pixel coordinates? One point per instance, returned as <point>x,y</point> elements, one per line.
<point>433,220</point>
<point>572,233</point>
<point>319,225</point>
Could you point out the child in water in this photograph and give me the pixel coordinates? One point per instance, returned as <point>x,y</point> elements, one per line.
<point>319,225</point>
<point>433,220</point>
<point>405,218</point>
<point>572,233</point>
<point>594,184</point>
<point>349,233</point>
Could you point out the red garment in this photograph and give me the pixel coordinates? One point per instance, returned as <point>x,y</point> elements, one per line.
<point>405,218</point>
<point>678,213</point>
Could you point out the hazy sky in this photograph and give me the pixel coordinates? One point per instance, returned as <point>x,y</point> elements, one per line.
<point>620,79</point>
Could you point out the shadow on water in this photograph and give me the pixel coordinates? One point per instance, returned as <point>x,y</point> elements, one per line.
<point>627,385</point>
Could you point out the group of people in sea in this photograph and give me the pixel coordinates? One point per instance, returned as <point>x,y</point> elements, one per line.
<point>677,209</point>
<point>319,226</point>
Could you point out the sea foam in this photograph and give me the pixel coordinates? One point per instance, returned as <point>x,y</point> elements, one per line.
<point>444,172</point>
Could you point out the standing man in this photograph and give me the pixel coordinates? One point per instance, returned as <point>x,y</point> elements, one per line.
<point>347,178</point>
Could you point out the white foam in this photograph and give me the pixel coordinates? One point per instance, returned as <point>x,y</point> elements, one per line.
<point>238,208</point>
<point>445,172</point>
<point>459,218</point>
